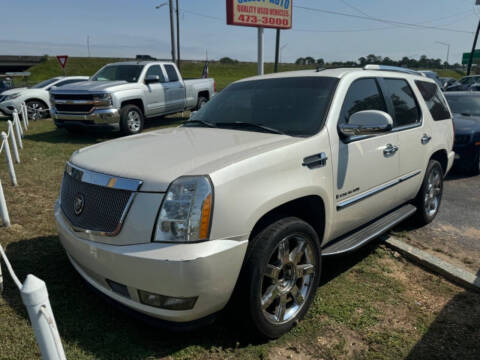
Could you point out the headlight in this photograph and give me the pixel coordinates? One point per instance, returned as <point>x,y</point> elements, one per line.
<point>12,96</point>
<point>103,100</point>
<point>186,211</point>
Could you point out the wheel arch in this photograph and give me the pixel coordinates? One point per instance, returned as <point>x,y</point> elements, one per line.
<point>136,102</point>
<point>310,208</point>
<point>204,93</point>
<point>37,99</point>
<point>442,157</point>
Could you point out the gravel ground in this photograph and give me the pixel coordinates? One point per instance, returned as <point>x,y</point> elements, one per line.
<point>455,234</point>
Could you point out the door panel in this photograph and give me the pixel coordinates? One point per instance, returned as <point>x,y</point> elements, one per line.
<point>174,90</point>
<point>365,169</point>
<point>155,92</point>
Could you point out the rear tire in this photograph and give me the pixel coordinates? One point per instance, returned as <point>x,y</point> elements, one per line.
<point>429,197</point>
<point>201,102</point>
<point>131,120</point>
<point>279,277</point>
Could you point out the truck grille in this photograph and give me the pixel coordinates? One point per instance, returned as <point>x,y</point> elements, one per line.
<point>101,210</point>
<point>74,108</point>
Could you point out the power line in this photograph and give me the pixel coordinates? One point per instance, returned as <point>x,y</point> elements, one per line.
<point>202,15</point>
<point>355,8</point>
<point>391,22</point>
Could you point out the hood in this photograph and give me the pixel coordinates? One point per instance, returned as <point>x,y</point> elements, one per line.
<point>466,124</point>
<point>98,86</point>
<point>159,157</point>
<point>13,91</point>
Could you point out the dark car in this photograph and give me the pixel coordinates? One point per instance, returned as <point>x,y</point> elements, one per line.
<point>447,81</point>
<point>466,117</point>
<point>5,84</point>
<point>467,83</point>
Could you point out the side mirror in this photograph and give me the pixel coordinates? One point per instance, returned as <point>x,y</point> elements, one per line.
<point>368,122</point>
<point>152,79</point>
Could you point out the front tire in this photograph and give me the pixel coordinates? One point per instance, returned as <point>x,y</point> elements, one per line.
<point>429,197</point>
<point>280,276</point>
<point>36,109</point>
<point>131,120</point>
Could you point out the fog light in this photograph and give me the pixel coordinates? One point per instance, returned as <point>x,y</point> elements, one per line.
<point>166,302</point>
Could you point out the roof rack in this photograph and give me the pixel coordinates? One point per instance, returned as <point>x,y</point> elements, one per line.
<point>392,68</point>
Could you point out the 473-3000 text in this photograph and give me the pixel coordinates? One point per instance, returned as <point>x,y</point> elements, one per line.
<point>264,20</point>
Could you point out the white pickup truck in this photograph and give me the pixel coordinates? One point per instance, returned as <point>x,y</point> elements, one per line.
<point>241,202</point>
<point>122,95</point>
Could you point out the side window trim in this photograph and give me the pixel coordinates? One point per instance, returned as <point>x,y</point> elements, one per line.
<point>348,140</point>
<point>391,109</point>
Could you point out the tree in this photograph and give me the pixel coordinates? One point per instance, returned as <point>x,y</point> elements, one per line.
<point>300,61</point>
<point>227,60</point>
<point>320,62</point>
<point>309,60</point>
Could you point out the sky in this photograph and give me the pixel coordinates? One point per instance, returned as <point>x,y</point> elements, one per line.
<point>122,28</point>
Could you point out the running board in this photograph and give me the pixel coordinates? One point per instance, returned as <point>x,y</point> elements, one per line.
<point>352,241</point>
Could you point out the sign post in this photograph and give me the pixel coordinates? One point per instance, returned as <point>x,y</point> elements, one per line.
<point>62,59</point>
<point>275,14</point>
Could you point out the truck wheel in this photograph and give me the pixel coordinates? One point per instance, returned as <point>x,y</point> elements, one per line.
<point>36,109</point>
<point>201,102</point>
<point>475,169</point>
<point>280,275</point>
<point>430,195</point>
<point>131,120</point>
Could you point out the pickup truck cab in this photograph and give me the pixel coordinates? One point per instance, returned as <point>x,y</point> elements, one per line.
<point>242,201</point>
<point>122,95</point>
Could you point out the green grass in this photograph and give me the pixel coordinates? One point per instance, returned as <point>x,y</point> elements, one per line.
<point>371,305</point>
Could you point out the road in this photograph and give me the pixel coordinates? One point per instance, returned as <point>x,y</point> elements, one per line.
<point>455,233</point>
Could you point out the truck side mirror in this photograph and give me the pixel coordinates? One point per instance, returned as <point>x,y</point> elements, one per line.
<point>367,122</point>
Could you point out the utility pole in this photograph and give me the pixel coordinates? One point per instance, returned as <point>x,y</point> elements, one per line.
<point>470,61</point>
<point>260,51</point>
<point>448,48</point>
<point>178,37</point>
<point>277,50</point>
<point>172,31</point>
<point>88,45</point>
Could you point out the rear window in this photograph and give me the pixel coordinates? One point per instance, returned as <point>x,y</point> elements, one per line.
<point>434,99</point>
<point>404,103</point>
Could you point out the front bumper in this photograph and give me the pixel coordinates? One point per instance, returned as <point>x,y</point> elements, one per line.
<point>96,117</point>
<point>207,270</point>
<point>7,107</point>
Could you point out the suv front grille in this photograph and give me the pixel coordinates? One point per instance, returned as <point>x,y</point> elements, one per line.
<point>102,207</point>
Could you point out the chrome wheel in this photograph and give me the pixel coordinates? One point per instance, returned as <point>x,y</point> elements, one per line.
<point>433,192</point>
<point>35,110</point>
<point>287,280</point>
<point>134,121</point>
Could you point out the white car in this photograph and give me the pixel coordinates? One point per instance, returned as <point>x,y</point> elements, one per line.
<point>37,97</point>
<point>243,200</point>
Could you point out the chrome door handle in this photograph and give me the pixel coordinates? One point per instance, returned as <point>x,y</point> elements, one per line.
<point>426,139</point>
<point>390,150</point>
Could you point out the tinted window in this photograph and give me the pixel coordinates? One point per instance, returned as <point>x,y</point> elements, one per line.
<point>296,106</point>
<point>405,106</point>
<point>156,70</point>
<point>44,83</point>
<point>434,100</point>
<point>363,94</point>
<point>467,104</point>
<point>129,73</point>
<point>171,72</point>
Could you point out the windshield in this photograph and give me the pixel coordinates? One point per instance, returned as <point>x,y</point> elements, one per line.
<point>294,106</point>
<point>44,83</point>
<point>468,105</point>
<point>129,73</point>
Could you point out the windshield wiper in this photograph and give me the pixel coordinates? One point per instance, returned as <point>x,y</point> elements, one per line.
<point>244,124</point>
<point>203,122</point>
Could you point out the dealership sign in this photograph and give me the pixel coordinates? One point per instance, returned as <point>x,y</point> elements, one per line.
<point>260,13</point>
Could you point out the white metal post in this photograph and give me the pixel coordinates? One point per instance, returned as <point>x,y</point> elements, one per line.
<point>11,131</point>
<point>260,51</point>
<point>25,115</point>
<point>18,129</point>
<point>3,208</point>
<point>11,169</point>
<point>35,297</point>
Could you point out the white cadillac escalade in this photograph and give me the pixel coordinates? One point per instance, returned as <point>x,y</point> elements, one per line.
<point>242,201</point>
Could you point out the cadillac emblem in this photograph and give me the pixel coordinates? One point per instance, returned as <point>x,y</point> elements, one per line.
<point>78,204</point>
